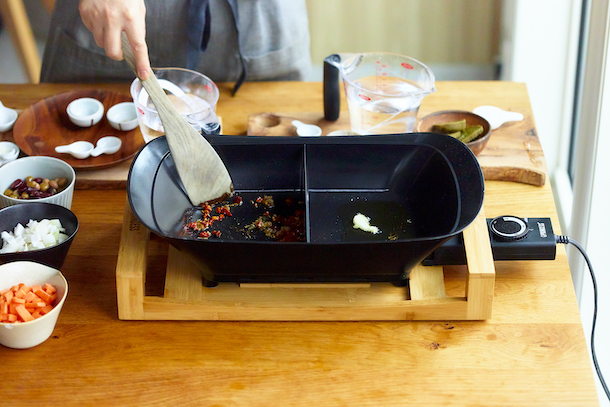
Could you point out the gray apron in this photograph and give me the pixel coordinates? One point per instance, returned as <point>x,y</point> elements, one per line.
<point>273,38</point>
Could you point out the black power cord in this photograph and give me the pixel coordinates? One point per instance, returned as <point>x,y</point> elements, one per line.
<point>566,240</point>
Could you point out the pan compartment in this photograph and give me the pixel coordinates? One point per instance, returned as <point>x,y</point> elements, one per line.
<point>408,191</point>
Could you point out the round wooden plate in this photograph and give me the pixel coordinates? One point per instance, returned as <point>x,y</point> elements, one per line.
<point>45,125</point>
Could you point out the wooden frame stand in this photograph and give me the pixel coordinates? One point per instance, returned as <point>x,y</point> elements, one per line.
<point>185,298</point>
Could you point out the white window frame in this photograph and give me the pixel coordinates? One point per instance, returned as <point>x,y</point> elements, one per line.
<point>528,27</point>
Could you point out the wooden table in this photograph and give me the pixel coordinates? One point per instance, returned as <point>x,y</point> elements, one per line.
<point>531,352</point>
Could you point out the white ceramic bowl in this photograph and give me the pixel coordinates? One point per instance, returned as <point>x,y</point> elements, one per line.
<point>25,335</point>
<point>8,152</point>
<point>85,112</point>
<point>8,117</point>
<point>37,166</point>
<point>123,116</point>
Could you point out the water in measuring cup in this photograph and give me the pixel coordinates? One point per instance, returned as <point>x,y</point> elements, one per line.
<point>372,114</point>
<point>150,123</point>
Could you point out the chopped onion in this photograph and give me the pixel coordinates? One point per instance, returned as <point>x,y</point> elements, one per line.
<point>34,236</point>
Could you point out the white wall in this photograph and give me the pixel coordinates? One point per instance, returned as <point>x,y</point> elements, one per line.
<point>537,47</point>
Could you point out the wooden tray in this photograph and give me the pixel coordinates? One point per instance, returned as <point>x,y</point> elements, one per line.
<point>514,152</point>
<point>45,125</point>
<point>183,296</point>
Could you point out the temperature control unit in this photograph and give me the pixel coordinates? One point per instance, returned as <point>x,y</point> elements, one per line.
<point>512,238</point>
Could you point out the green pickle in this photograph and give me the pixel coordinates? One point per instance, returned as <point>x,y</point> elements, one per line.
<point>460,130</point>
<point>471,133</point>
<point>450,127</point>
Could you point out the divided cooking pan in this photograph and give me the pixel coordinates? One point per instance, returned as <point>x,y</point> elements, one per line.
<point>419,189</point>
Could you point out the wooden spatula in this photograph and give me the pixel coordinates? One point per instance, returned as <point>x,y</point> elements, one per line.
<point>203,174</point>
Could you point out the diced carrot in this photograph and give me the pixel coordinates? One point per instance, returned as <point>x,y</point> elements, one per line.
<point>46,310</point>
<point>46,297</point>
<point>11,308</point>
<point>23,313</point>
<point>22,303</point>
<point>30,297</point>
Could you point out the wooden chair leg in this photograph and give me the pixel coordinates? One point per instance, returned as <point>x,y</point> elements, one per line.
<point>15,17</point>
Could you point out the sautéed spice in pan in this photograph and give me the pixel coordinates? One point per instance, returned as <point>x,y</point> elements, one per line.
<point>248,216</point>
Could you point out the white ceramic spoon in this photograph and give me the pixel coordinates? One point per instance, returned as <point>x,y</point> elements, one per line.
<point>307,130</point>
<point>78,149</point>
<point>496,116</point>
<point>106,145</point>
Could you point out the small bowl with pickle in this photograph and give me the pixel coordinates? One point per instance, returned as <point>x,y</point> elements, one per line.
<point>37,179</point>
<point>470,128</point>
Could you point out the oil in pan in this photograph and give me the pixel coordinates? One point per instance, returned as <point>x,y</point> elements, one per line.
<point>392,219</point>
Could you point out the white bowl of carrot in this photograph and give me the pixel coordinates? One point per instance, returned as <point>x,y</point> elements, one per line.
<point>31,298</point>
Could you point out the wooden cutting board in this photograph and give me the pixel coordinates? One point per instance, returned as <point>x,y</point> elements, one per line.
<point>514,152</point>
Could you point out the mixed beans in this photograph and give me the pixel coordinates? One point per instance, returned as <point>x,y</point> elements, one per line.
<point>35,187</point>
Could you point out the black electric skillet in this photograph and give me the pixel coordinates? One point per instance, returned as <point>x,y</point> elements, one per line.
<point>419,189</point>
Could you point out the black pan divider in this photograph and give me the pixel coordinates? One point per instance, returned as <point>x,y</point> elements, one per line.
<point>306,193</point>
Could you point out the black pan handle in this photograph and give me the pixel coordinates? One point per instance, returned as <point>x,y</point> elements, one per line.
<point>332,96</point>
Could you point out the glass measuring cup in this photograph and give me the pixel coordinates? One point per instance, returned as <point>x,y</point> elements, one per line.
<point>194,95</point>
<point>383,90</point>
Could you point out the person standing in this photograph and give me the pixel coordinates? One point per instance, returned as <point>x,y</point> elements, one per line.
<point>226,40</point>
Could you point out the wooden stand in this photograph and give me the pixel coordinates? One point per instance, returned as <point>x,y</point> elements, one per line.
<point>185,298</point>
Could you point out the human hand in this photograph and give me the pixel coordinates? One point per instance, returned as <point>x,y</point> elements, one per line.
<point>106,19</point>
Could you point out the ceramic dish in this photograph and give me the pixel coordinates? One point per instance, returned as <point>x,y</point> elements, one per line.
<point>29,334</point>
<point>52,256</point>
<point>7,118</point>
<point>477,145</point>
<point>45,125</point>
<point>85,112</point>
<point>8,152</point>
<point>43,167</point>
<point>123,116</point>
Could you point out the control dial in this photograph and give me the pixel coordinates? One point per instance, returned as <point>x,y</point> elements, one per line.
<point>509,228</point>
